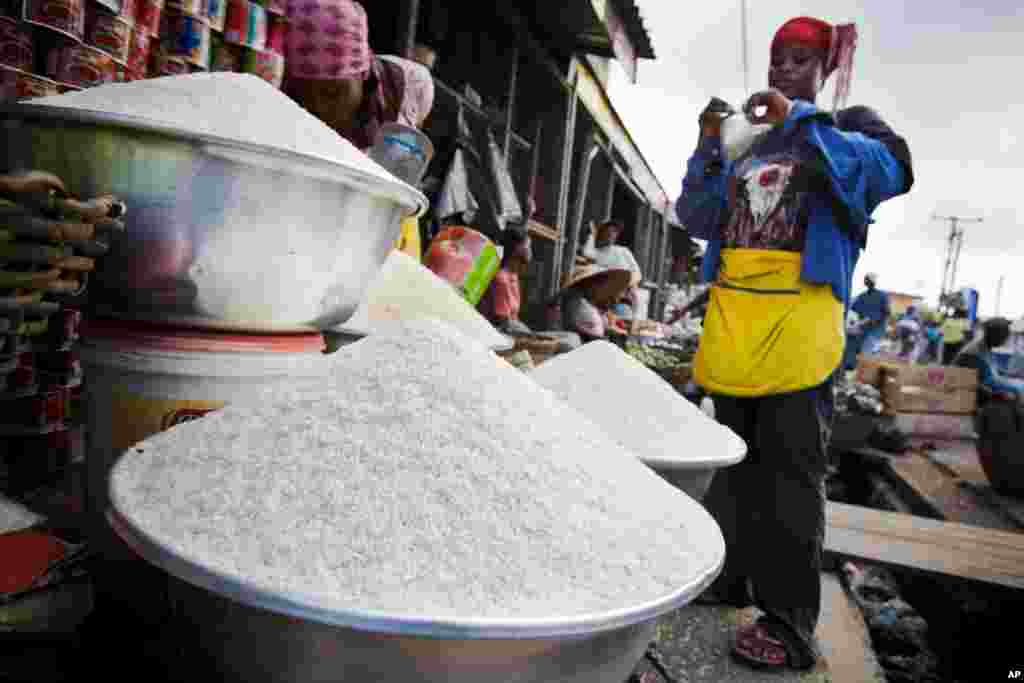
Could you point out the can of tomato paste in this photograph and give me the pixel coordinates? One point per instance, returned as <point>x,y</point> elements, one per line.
<point>147,16</point>
<point>224,56</point>
<point>277,32</point>
<point>216,12</point>
<point>138,54</point>
<point>112,34</point>
<point>186,37</point>
<point>193,7</point>
<point>256,37</point>
<point>236,23</point>
<point>64,16</point>
<point>83,66</point>
<point>16,85</point>
<point>16,47</point>
<point>267,65</point>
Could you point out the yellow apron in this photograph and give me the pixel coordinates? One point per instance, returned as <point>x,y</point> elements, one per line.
<point>409,241</point>
<point>766,331</point>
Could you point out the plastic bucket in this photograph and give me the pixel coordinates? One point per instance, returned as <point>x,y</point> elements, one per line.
<point>141,379</point>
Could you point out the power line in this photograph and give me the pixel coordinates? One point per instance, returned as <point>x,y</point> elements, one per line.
<point>955,242</point>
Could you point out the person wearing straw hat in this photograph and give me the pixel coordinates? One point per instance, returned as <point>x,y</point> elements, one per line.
<point>785,223</point>
<point>586,295</point>
<point>331,70</point>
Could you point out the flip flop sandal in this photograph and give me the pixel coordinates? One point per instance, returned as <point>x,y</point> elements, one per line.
<point>758,648</point>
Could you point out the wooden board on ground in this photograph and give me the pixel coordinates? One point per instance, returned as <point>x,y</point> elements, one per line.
<point>969,552</point>
<point>843,637</point>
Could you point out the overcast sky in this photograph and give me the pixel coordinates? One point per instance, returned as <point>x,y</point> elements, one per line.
<point>945,76</point>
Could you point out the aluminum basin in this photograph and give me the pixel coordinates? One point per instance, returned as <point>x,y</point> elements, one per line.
<point>220,234</point>
<point>254,636</point>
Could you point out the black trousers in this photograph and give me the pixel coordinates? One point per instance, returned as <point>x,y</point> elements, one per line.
<point>771,509</point>
<point>949,352</point>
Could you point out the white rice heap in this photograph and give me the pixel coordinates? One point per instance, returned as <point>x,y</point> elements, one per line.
<point>406,290</point>
<point>240,107</point>
<point>421,478</point>
<point>638,409</point>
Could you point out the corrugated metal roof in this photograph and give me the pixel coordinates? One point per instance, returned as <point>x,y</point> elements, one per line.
<point>576,20</point>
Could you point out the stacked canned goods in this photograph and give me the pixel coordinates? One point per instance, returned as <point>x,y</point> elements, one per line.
<point>48,47</point>
<point>44,272</point>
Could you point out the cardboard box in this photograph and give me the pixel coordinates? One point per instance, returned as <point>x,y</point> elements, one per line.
<point>955,427</point>
<point>869,368</point>
<point>931,389</point>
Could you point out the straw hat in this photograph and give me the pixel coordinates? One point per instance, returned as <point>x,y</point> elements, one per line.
<point>610,283</point>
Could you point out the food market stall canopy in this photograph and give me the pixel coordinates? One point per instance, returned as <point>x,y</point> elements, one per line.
<point>594,97</point>
<point>606,28</point>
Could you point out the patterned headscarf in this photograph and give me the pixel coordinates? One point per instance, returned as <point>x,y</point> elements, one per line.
<point>418,91</point>
<point>327,40</point>
<point>838,43</point>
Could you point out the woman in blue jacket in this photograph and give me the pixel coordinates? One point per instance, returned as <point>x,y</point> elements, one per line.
<point>785,224</point>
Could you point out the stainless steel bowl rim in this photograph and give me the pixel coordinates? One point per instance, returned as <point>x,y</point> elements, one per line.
<point>507,345</point>
<point>392,189</point>
<point>304,606</point>
<point>697,462</point>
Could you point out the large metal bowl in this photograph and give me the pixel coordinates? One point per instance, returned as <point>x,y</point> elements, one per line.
<point>220,233</point>
<point>253,635</point>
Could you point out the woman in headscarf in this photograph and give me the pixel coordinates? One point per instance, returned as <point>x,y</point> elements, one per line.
<point>332,72</point>
<point>786,222</point>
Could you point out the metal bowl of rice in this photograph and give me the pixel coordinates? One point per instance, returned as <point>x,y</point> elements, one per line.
<point>221,233</point>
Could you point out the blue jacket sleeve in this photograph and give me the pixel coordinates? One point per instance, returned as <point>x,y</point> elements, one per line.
<point>991,379</point>
<point>862,171</point>
<point>702,201</point>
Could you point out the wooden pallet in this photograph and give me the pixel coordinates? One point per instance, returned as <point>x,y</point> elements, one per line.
<point>949,548</point>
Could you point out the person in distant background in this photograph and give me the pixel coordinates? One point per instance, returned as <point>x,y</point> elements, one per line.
<point>955,330</point>
<point>608,254</point>
<point>873,308</point>
<point>502,302</point>
<point>333,73</point>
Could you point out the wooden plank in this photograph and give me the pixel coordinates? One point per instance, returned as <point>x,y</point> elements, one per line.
<point>843,637</point>
<point>950,548</point>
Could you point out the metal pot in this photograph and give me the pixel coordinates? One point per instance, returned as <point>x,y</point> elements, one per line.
<point>221,234</point>
<point>251,635</point>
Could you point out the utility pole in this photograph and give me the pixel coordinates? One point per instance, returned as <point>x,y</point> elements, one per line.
<point>955,241</point>
<point>999,295</point>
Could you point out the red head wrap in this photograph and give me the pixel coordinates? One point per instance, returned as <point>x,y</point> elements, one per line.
<point>837,44</point>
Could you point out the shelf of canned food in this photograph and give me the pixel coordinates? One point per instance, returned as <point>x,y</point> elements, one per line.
<point>43,277</point>
<point>48,47</point>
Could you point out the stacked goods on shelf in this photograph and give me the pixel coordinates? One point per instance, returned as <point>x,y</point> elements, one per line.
<point>43,272</point>
<point>56,46</point>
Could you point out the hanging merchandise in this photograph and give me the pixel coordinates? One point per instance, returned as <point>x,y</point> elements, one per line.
<point>455,198</point>
<point>186,37</point>
<point>509,208</point>
<point>267,65</point>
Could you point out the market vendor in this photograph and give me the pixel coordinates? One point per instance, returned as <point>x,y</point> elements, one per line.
<point>586,296</point>
<point>786,223</point>
<point>503,300</point>
<point>333,73</point>
<point>607,253</point>
<point>955,332</point>
<point>872,305</point>
<point>978,355</point>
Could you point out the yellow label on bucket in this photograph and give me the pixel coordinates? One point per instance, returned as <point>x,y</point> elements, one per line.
<point>136,417</point>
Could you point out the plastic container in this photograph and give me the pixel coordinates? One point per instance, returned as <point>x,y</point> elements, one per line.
<point>466,259</point>
<point>739,134</point>
<point>141,379</point>
<point>404,151</point>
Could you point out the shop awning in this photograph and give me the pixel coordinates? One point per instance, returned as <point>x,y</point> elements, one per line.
<point>597,103</point>
<point>606,28</point>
